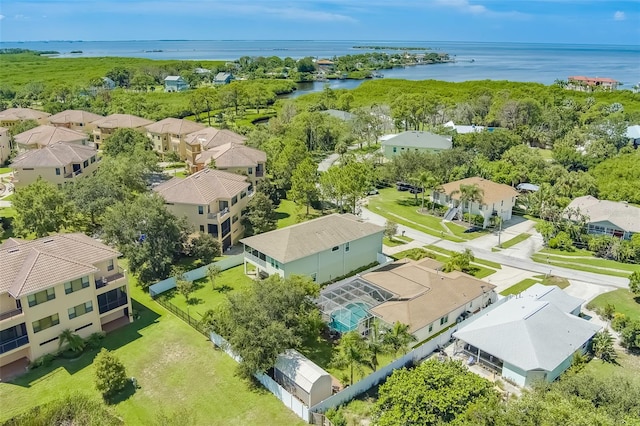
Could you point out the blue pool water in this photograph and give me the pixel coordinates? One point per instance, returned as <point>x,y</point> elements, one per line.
<point>347,318</point>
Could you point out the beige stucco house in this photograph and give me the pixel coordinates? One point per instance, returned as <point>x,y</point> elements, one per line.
<point>213,201</point>
<point>44,135</point>
<point>497,199</point>
<point>208,138</point>
<point>234,158</point>
<point>105,126</point>
<point>5,145</point>
<point>12,116</point>
<point>48,285</point>
<point>74,119</point>
<point>59,163</point>
<point>324,248</point>
<point>169,135</point>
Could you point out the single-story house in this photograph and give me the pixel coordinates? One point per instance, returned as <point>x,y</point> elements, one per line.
<point>587,84</point>
<point>497,199</point>
<point>527,338</point>
<point>633,134</point>
<point>324,248</point>
<point>175,83</point>
<point>302,377</point>
<point>44,135</point>
<point>616,218</point>
<point>223,78</point>
<point>393,145</point>
<point>461,129</point>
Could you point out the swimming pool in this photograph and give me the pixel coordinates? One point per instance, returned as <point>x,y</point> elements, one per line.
<point>347,318</point>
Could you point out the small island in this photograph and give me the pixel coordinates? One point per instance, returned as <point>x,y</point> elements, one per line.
<point>392,48</point>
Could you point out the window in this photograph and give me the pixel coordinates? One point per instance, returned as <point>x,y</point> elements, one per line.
<point>57,171</point>
<point>346,247</point>
<point>502,203</point>
<point>86,163</point>
<point>76,285</point>
<point>80,310</point>
<point>201,228</point>
<point>41,297</point>
<point>336,248</point>
<point>235,219</point>
<point>110,265</point>
<point>234,200</point>
<point>93,159</point>
<point>250,170</point>
<point>395,149</point>
<point>45,323</point>
<point>430,327</point>
<point>200,209</point>
<point>243,194</point>
<point>444,320</point>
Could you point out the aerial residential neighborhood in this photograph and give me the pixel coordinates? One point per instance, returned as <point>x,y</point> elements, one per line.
<point>312,239</point>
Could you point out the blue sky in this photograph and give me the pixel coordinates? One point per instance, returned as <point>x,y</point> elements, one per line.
<point>546,21</point>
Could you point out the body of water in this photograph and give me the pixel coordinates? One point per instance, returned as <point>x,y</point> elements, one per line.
<point>534,62</point>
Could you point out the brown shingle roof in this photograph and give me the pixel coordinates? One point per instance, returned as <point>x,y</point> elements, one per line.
<point>492,192</point>
<point>74,116</point>
<point>174,126</point>
<point>23,114</point>
<point>307,238</point>
<point>203,187</point>
<point>121,121</point>
<point>423,295</point>
<point>54,155</point>
<point>45,135</point>
<point>210,137</point>
<point>27,267</point>
<point>232,155</point>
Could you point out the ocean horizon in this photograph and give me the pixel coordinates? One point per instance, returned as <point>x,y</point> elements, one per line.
<point>526,62</point>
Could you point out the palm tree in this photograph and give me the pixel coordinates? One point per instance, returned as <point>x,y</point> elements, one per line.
<point>470,194</point>
<point>427,181</point>
<point>74,342</point>
<point>375,345</point>
<point>213,272</point>
<point>352,352</point>
<point>398,338</point>
<point>602,346</point>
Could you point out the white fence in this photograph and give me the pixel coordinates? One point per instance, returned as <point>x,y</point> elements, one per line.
<point>195,274</point>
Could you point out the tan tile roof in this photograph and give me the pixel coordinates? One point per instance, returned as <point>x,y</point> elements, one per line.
<point>22,114</point>
<point>3,130</point>
<point>492,192</point>
<point>232,155</point>
<point>203,187</point>
<point>307,238</point>
<point>27,267</point>
<point>46,134</point>
<point>54,155</point>
<point>121,121</point>
<point>620,214</point>
<point>423,295</point>
<point>210,137</point>
<point>74,116</point>
<point>174,126</point>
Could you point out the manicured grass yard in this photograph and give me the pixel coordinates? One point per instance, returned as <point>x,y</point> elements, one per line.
<point>288,213</point>
<point>175,367</point>
<point>393,243</point>
<point>4,170</point>
<point>205,298</point>
<point>400,207</point>
<point>528,282</point>
<point>477,270</point>
<point>624,301</point>
<point>512,242</point>
<point>587,264</point>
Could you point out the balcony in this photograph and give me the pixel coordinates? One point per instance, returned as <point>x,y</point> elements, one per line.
<point>255,259</point>
<point>105,281</point>
<point>14,344</point>
<point>10,314</point>
<point>113,304</point>
<point>73,174</point>
<point>220,216</point>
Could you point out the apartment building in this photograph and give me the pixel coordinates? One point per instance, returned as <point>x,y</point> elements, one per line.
<point>104,127</point>
<point>235,158</point>
<point>208,138</point>
<point>12,116</point>
<point>74,119</point>
<point>55,283</point>
<point>169,135</point>
<point>44,135</point>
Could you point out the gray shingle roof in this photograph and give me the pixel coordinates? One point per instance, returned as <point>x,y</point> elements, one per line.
<point>621,214</point>
<point>203,187</point>
<point>416,139</point>
<point>307,238</point>
<point>55,155</point>
<point>27,267</point>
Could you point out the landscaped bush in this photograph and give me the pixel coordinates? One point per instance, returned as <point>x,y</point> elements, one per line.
<point>619,321</point>
<point>631,335</point>
<point>562,241</point>
<point>476,219</point>
<point>43,361</point>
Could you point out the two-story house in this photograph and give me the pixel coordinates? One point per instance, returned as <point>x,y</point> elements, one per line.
<point>324,248</point>
<point>393,145</point>
<point>175,83</point>
<point>74,119</point>
<point>208,138</point>
<point>235,158</point>
<point>12,116</point>
<point>59,163</point>
<point>213,201</point>
<point>44,135</point>
<point>55,283</point>
<point>169,135</point>
<point>104,127</point>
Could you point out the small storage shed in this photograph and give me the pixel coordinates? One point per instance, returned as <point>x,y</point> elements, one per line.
<point>302,377</point>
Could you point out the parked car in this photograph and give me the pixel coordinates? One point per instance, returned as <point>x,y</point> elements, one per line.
<point>415,190</point>
<point>373,191</point>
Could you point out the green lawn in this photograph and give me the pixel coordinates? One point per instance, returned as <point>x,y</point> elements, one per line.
<point>288,213</point>
<point>519,287</point>
<point>4,170</point>
<point>577,252</point>
<point>512,242</point>
<point>176,368</point>
<point>205,297</point>
<point>477,271</point>
<point>393,243</point>
<point>624,301</point>
<point>401,207</point>
<point>8,197</point>
<point>592,264</point>
<point>488,263</point>
<point>627,365</point>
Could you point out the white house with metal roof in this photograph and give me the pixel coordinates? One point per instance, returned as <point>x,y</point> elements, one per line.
<point>324,248</point>
<point>616,218</point>
<point>302,377</point>
<point>530,337</point>
<point>393,145</point>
